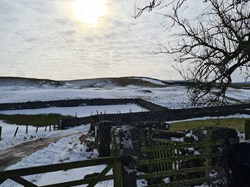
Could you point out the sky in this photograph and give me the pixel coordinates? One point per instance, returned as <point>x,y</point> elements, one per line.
<point>46,39</point>
<point>69,39</point>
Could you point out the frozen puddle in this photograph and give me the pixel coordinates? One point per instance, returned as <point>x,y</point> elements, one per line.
<point>80,111</point>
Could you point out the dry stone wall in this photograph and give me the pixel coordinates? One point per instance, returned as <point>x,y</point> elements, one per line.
<point>79,102</point>
<point>163,115</point>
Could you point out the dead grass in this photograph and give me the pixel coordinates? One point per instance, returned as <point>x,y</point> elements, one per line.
<point>33,120</point>
<point>234,123</point>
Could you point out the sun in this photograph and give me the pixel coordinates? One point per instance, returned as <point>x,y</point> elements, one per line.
<point>89,11</point>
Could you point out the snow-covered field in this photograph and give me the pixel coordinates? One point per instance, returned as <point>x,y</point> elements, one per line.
<point>172,96</point>
<point>80,111</point>
<point>69,148</point>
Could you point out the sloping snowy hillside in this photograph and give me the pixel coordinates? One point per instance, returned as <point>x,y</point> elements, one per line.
<point>159,92</point>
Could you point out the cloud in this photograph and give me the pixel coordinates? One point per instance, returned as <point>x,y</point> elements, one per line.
<point>69,32</point>
<point>89,39</point>
<point>61,21</point>
<point>31,39</point>
<point>42,38</point>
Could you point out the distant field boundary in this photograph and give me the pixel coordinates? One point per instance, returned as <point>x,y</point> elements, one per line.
<point>160,116</point>
<point>80,102</point>
<point>156,112</point>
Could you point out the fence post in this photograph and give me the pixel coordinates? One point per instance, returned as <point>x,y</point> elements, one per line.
<point>27,127</point>
<point>0,133</point>
<point>16,131</point>
<point>208,159</point>
<point>60,125</point>
<point>117,170</point>
<point>36,129</point>
<point>150,144</point>
<point>123,149</point>
<point>247,129</point>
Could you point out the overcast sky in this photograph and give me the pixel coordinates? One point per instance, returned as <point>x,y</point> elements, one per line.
<point>44,39</point>
<point>49,39</point>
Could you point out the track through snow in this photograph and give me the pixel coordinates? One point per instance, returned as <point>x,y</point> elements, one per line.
<point>15,154</point>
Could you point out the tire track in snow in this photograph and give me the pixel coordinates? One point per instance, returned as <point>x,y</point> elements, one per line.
<point>15,154</point>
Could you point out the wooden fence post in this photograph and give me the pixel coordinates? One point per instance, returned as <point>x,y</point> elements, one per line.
<point>117,169</point>
<point>0,133</point>
<point>208,159</point>
<point>124,168</point>
<point>16,131</point>
<point>247,129</point>
<point>27,127</point>
<point>150,144</point>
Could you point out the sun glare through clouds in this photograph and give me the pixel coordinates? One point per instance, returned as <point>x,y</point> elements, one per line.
<point>89,11</point>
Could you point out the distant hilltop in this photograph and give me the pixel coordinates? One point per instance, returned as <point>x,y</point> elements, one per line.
<point>99,82</point>
<point>96,82</point>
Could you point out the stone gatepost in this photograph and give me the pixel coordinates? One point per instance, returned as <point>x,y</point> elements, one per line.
<point>103,137</point>
<point>121,138</point>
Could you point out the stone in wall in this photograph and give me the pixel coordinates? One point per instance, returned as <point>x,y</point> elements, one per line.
<point>103,137</point>
<point>239,164</point>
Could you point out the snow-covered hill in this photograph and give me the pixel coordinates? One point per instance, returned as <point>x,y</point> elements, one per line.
<point>28,82</point>
<point>81,83</point>
<point>167,94</point>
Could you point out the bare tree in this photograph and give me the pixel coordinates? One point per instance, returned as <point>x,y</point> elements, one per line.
<point>213,46</point>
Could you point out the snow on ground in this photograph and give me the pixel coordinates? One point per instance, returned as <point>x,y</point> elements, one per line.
<point>239,94</point>
<point>8,139</point>
<point>172,96</point>
<point>69,148</point>
<point>168,96</point>
<point>90,82</point>
<point>65,150</point>
<point>154,81</point>
<point>80,111</point>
